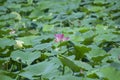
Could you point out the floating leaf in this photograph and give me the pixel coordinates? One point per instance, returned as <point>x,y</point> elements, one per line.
<point>4,77</point>
<point>83,65</point>
<point>48,27</point>
<point>80,51</point>
<point>68,77</point>
<point>4,42</point>
<point>115,54</point>
<point>40,69</point>
<point>42,46</point>
<point>96,54</point>
<point>67,62</point>
<point>25,57</point>
<point>28,40</point>
<point>109,73</point>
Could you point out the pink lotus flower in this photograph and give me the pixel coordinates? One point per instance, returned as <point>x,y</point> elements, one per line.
<point>60,37</point>
<point>65,39</point>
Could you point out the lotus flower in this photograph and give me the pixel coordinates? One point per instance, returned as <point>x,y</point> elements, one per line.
<point>19,43</point>
<point>60,37</point>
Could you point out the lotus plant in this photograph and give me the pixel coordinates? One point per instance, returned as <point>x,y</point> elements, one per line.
<point>60,38</point>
